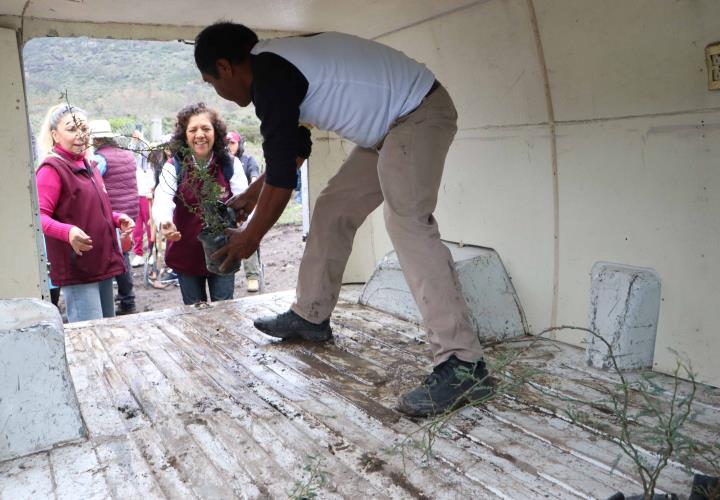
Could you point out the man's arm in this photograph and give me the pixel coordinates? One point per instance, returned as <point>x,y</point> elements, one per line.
<point>278,90</point>
<point>270,205</point>
<point>244,203</point>
<point>269,202</point>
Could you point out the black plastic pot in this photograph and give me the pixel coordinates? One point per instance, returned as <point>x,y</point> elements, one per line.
<point>702,485</point>
<point>213,242</point>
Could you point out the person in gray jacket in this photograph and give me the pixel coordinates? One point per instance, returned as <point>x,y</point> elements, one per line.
<point>236,147</point>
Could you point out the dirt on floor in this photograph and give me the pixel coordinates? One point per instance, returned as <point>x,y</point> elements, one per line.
<point>280,253</point>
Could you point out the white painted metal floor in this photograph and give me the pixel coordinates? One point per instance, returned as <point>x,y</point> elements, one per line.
<point>195,403</point>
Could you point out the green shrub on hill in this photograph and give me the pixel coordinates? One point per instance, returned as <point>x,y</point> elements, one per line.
<point>123,81</point>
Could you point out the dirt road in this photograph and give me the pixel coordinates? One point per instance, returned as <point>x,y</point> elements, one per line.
<point>281,251</point>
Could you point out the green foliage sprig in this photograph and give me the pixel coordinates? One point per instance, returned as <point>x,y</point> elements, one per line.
<point>202,183</point>
<point>315,478</point>
<point>651,420</point>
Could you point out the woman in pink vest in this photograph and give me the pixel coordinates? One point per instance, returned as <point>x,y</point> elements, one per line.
<point>197,143</point>
<point>76,217</point>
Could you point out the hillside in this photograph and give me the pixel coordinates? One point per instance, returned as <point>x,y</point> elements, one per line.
<point>124,81</point>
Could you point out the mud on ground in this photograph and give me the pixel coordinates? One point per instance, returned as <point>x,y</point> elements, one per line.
<point>281,250</point>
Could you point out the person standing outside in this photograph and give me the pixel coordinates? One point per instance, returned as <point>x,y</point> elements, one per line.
<point>236,147</point>
<point>117,168</point>
<point>402,121</point>
<point>145,179</point>
<point>198,145</point>
<point>76,217</point>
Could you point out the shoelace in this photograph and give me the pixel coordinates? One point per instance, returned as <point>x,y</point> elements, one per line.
<point>286,314</point>
<point>442,372</point>
<point>290,316</point>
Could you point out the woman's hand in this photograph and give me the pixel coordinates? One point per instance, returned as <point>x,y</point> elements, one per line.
<point>170,232</point>
<point>126,225</point>
<point>79,241</point>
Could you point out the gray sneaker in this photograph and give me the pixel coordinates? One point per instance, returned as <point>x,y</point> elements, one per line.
<point>452,384</point>
<point>289,325</point>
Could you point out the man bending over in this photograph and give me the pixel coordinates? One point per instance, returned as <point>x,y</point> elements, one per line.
<point>402,121</point>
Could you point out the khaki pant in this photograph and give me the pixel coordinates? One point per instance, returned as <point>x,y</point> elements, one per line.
<point>405,174</point>
<point>251,266</point>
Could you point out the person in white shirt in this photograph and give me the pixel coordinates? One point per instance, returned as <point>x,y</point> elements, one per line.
<point>197,143</point>
<point>402,121</point>
<point>145,184</point>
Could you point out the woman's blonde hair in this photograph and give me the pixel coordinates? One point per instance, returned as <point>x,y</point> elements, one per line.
<point>52,118</point>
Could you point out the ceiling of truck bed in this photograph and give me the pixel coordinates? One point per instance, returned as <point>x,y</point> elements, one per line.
<point>369,19</point>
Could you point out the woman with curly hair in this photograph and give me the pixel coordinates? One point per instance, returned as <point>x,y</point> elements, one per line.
<point>198,148</point>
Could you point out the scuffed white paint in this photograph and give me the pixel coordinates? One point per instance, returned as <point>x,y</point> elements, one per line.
<point>637,147</point>
<point>624,309</point>
<point>22,262</point>
<point>38,404</point>
<point>195,403</point>
<point>636,134</point>
<point>278,15</point>
<point>495,309</point>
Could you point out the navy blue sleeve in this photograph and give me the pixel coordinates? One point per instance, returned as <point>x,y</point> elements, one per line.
<point>278,89</point>
<point>252,169</point>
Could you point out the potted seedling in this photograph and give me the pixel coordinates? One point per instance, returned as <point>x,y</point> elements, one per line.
<point>216,217</point>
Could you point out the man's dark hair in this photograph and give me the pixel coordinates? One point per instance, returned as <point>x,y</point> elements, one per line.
<point>223,41</point>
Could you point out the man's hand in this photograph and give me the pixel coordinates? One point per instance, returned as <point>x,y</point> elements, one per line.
<point>243,204</point>
<point>270,201</point>
<point>241,245</point>
<point>243,242</point>
<point>170,232</point>
<point>79,241</point>
<point>126,225</point>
